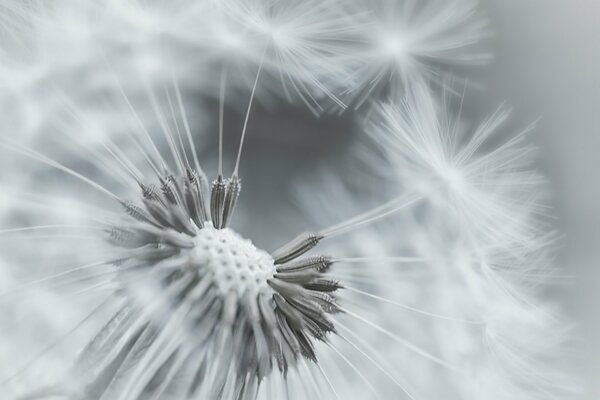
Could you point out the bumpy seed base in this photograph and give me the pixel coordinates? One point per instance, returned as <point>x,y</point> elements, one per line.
<point>236,263</point>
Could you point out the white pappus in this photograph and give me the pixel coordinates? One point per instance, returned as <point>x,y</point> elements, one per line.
<point>124,274</point>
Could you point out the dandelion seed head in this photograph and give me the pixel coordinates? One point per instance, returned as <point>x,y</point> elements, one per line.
<point>183,268</point>
<point>230,40</point>
<point>454,166</point>
<point>193,309</point>
<point>393,45</point>
<point>454,179</point>
<point>410,41</point>
<point>236,263</point>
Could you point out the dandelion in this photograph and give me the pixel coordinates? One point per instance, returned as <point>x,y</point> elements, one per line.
<point>195,310</point>
<point>496,193</point>
<point>200,310</point>
<point>135,278</point>
<point>485,223</point>
<point>300,43</point>
<point>401,42</point>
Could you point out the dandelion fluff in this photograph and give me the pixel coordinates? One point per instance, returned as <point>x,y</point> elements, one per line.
<point>390,293</point>
<point>494,192</point>
<point>195,310</point>
<point>405,41</point>
<point>198,311</point>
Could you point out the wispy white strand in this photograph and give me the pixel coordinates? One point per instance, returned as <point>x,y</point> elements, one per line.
<point>472,221</point>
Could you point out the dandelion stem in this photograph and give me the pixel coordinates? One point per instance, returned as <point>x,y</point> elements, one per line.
<point>374,362</point>
<point>113,150</point>
<point>138,121</point>
<point>402,341</point>
<point>38,227</point>
<point>177,130</point>
<point>52,277</point>
<point>239,155</point>
<point>55,343</point>
<point>371,216</point>
<point>406,307</point>
<point>186,124</point>
<point>355,369</point>
<point>328,381</point>
<point>165,128</point>
<point>221,118</point>
<point>43,159</point>
<point>380,259</point>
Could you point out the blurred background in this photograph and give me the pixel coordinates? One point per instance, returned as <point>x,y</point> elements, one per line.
<point>547,64</point>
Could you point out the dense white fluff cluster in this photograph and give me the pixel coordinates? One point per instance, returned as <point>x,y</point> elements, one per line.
<point>427,249</point>
<point>484,227</point>
<point>84,48</point>
<point>493,193</point>
<point>403,41</point>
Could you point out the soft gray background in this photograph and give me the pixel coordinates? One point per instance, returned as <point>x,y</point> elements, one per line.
<point>547,64</point>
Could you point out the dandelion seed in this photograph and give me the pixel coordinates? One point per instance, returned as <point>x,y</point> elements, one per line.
<point>407,41</point>
<point>440,284</point>
<point>430,149</point>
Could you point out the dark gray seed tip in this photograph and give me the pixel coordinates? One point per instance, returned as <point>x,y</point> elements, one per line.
<point>316,263</point>
<point>294,249</point>
<point>217,201</point>
<point>232,193</point>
